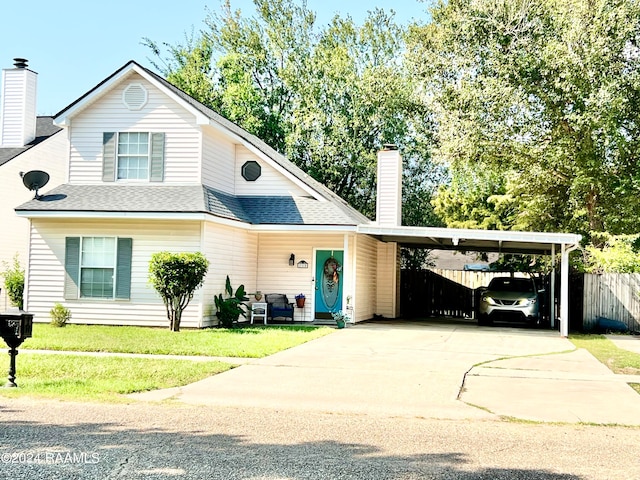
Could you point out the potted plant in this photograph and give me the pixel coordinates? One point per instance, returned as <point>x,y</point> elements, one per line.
<point>257,295</point>
<point>229,309</point>
<point>340,318</point>
<point>300,298</point>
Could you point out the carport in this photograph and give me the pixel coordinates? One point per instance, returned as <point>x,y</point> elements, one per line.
<point>538,243</point>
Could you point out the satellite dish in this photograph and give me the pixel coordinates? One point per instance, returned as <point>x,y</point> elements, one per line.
<point>35,180</point>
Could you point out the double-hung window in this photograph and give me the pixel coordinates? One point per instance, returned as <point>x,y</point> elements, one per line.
<point>133,156</point>
<point>98,267</point>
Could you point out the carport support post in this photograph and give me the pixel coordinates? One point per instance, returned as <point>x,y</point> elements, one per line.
<point>552,287</point>
<point>564,291</point>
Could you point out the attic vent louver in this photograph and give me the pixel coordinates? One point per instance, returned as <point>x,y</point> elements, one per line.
<point>134,96</point>
<point>251,171</point>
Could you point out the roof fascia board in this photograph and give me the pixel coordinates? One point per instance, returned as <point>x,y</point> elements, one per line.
<point>64,118</point>
<point>61,215</point>
<point>469,234</point>
<point>115,215</point>
<point>304,228</point>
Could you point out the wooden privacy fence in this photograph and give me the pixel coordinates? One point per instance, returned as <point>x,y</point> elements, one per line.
<point>424,293</point>
<point>474,279</point>
<point>612,296</point>
<point>443,293</point>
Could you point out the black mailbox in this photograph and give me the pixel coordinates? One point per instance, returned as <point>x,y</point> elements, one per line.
<point>15,326</point>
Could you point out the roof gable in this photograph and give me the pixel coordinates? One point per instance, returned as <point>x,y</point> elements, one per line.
<point>205,115</point>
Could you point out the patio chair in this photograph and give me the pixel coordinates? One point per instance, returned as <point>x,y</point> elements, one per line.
<point>278,306</point>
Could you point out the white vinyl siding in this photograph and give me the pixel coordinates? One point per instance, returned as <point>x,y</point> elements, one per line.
<point>50,156</point>
<point>46,273</point>
<point>366,278</point>
<point>218,157</point>
<point>232,252</point>
<point>182,148</point>
<point>270,183</point>
<point>259,261</point>
<point>388,287</point>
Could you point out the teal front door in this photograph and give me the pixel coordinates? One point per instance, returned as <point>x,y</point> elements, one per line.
<point>329,280</point>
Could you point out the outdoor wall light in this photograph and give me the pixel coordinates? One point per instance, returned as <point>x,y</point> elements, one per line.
<point>292,260</point>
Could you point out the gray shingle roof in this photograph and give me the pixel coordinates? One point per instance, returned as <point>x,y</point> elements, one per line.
<point>257,210</point>
<point>44,129</point>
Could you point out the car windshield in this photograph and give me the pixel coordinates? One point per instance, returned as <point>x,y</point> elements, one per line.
<point>511,285</point>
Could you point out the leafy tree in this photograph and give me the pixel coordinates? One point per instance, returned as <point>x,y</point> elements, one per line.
<point>619,254</point>
<point>176,276</point>
<point>356,97</point>
<point>329,98</point>
<point>14,282</point>
<point>475,198</point>
<point>541,96</point>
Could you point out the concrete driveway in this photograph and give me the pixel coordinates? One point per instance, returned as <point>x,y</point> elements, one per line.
<point>446,370</point>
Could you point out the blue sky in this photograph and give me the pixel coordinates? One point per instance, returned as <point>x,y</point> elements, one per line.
<point>75,44</point>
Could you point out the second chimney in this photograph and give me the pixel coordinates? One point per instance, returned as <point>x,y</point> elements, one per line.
<point>389,195</point>
<point>18,105</point>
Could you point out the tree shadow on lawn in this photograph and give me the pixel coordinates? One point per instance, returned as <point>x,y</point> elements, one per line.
<point>111,450</point>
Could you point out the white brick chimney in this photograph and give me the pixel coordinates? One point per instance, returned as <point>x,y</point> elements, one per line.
<point>389,198</point>
<point>18,105</point>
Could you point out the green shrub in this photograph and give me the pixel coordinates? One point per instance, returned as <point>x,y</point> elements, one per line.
<point>176,276</point>
<point>617,254</point>
<point>14,282</point>
<point>229,309</point>
<point>60,315</point>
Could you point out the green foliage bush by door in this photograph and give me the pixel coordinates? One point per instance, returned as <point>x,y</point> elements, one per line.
<point>230,308</point>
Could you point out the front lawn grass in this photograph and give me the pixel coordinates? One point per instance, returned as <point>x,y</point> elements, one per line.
<point>617,359</point>
<point>245,342</point>
<point>88,378</point>
<point>109,378</point>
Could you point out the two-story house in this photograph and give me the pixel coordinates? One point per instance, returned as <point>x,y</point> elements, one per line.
<point>27,142</point>
<point>151,169</point>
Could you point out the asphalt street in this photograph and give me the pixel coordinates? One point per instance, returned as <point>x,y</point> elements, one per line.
<point>61,440</point>
<point>369,402</point>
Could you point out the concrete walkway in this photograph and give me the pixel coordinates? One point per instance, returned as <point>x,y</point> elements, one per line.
<point>428,370</point>
<point>626,342</point>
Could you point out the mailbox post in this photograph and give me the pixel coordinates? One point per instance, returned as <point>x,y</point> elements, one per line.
<point>15,326</point>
